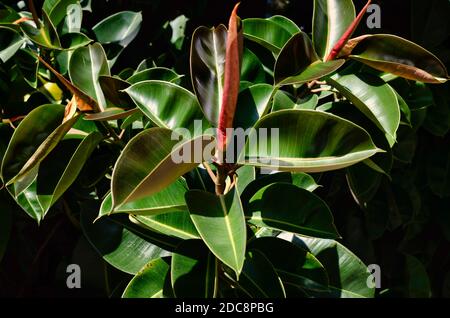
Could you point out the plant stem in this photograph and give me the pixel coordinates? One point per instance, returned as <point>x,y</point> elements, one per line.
<point>221,178</point>
<point>34,13</point>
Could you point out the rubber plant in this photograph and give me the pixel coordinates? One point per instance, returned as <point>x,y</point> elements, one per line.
<point>222,222</point>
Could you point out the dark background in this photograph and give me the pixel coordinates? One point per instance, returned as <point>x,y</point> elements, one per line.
<point>36,257</point>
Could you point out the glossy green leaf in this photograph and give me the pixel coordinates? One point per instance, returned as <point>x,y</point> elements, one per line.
<point>147,166</point>
<point>286,207</point>
<point>55,174</point>
<point>331,19</point>
<point>306,141</point>
<point>155,73</point>
<point>220,222</point>
<point>347,273</point>
<point>10,43</point>
<point>246,175</point>
<point>33,140</point>
<point>253,103</point>
<point>304,181</point>
<point>293,264</point>
<point>29,202</point>
<point>28,65</point>
<point>272,33</point>
<point>124,246</point>
<point>58,171</point>
<point>166,104</point>
<point>393,54</point>
<point>45,36</point>
<point>175,223</point>
<point>57,9</point>
<point>170,199</point>
<point>208,51</point>
<point>252,69</point>
<point>86,65</point>
<point>298,63</point>
<point>72,41</point>
<point>259,278</point>
<point>120,28</point>
<point>117,31</point>
<point>373,97</point>
<point>194,271</point>
<point>149,281</point>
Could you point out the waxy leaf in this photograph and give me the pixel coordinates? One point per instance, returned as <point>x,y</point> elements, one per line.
<point>306,141</point>
<point>298,63</point>
<point>259,278</point>
<point>330,21</point>
<point>337,48</point>
<point>122,244</point>
<point>253,103</point>
<point>194,271</point>
<point>286,207</point>
<point>58,171</point>
<point>208,55</point>
<point>166,104</point>
<point>85,67</point>
<point>45,35</point>
<point>374,98</point>
<point>350,275</point>
<point>10,43</point>
<point>147,165</point>
<point>293,264</point>
<point>272,33</point>
<point>155,73</point>
<point>170,199</point>
<point>120,28</point>
<point>57,9</point>
<point>176,224</point>
<point>149,281</point>
<point>220,221</point>
<point>35,137</point>
<point>393,54</point>
<point>117,31</point>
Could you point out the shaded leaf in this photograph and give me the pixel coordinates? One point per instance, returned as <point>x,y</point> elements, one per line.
<point>286,207</point>
<point>259,278</point>
<point>298,63</point>
<point>347,273</point>
<point>193,271</point>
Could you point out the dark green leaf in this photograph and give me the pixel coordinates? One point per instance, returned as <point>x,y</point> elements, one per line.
<point>194,271</point>
<point>220,222</point>
<point>286,207</point>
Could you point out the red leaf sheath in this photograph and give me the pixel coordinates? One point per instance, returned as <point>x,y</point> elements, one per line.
<point>348,33</point>
<point>231,78</point>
